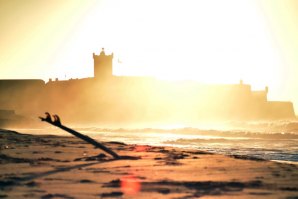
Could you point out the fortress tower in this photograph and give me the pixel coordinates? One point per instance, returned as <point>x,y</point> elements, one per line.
<point>103,65</point>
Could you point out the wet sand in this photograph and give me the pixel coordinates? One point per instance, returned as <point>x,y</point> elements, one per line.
<point>66,167</point>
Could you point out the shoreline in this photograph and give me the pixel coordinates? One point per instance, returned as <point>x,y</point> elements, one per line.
<point>205,135</point>
<point>49,166</point>
<point>285,162</point>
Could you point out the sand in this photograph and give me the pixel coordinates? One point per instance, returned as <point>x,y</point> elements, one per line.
<point>66,167</point>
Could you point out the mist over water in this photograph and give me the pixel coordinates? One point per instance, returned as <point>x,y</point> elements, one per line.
<point>271,140</point>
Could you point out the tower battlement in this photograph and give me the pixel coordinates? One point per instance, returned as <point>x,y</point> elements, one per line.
<point>103,65</point>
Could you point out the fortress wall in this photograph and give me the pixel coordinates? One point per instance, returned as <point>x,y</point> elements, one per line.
<point>20,95</point>
<point>110,98</point>
<point>280,110</point>
<point>66,98</point>
<point>140,99</point>
<point>260,95</point>
<point>4,114</point>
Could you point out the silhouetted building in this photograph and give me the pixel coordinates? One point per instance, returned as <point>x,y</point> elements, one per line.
<point>105,97</point>
<point>103,65</point>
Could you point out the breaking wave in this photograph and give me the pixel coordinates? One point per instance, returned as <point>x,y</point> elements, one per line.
<point>273,140</point>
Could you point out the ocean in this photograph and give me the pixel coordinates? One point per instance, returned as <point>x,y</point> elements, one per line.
<point>275,140</point>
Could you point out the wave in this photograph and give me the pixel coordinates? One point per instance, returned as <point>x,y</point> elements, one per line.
<point>274,135</point>
<point>270,140</point>
<point>285,126</point>
<point>276,126</point>
<point>284,150</point>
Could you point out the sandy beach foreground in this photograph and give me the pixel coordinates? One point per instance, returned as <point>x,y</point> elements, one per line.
<point>66,167</point>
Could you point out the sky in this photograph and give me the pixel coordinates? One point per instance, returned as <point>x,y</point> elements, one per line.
<point>214,41</point>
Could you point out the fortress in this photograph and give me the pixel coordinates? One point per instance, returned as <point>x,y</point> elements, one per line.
<point>108,98</point>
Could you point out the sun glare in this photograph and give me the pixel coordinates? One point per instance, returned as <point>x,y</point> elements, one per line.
<point>207,41</point>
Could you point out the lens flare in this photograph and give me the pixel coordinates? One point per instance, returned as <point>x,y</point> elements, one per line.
<point>130,185</point>
<point>141,148</point>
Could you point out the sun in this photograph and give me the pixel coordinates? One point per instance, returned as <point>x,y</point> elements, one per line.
<point>175,40</point>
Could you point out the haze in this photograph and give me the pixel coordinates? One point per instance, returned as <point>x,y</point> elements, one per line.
<point>208,41</point>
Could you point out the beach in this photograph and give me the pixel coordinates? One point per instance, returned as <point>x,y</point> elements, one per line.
<point>50,166</point>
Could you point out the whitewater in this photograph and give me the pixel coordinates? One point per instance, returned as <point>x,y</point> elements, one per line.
<point>274,140</point>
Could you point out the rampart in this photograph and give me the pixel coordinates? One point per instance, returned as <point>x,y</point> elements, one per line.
<point>110,98</point>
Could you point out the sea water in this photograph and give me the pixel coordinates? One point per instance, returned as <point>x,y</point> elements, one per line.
<point>276,140</point>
